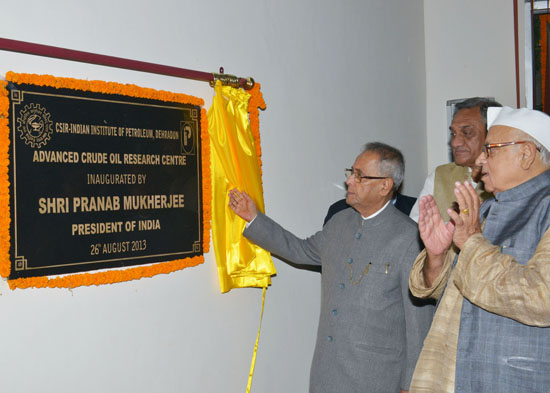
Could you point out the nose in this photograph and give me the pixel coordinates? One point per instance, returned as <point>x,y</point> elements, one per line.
<point>349,180</point>
<point>481,159</point>
<point>457,140</point>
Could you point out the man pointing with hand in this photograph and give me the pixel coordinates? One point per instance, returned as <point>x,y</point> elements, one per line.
<point>370,328</point>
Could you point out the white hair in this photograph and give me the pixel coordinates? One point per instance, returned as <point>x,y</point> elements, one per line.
<point>544,153</point>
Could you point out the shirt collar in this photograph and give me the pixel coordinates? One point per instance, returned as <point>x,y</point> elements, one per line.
<point>378,212</point>
<point>529,187</point>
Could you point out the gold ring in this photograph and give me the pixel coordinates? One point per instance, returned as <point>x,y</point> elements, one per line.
<point>465,211</point>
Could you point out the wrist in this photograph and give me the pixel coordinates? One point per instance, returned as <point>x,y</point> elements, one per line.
<point>433,258</point>
<point>432,267</point>
<point>251,221</point>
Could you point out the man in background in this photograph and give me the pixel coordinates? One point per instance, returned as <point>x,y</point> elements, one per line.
<point>468,132</point>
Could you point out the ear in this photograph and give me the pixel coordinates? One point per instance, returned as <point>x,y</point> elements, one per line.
<point>528,155</point>
<point>387,186</point>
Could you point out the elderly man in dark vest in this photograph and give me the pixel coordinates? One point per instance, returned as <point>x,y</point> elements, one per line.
<point>370,329</point>
<point>491,331</point>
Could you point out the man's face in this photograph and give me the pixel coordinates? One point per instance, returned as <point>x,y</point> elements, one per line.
<point>467,136</point>
<point>366,196</point>
<point>502,169</point>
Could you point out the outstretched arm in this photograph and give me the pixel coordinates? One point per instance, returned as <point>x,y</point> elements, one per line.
<point>269,235</point>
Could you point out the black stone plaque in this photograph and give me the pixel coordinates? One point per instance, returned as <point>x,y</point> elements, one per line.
<point>101,181</point>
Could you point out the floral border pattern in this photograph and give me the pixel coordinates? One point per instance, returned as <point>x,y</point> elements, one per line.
<point>102,277</point>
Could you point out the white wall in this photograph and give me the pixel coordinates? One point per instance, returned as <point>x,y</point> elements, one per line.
<point>334,75</point>
<point>469,52</point>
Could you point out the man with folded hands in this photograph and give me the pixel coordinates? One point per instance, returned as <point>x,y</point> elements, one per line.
<point>491,332</point>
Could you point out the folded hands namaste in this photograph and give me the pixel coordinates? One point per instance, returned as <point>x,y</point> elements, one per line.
<point>438,235</point>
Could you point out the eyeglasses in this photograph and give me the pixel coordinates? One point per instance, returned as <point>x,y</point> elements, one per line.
<point>349,172</point>
<point>488,146</point>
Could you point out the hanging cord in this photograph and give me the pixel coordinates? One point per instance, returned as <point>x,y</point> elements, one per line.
<point>253,364</point>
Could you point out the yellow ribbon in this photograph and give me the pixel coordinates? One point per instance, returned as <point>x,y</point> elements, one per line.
<point>253,364</point>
